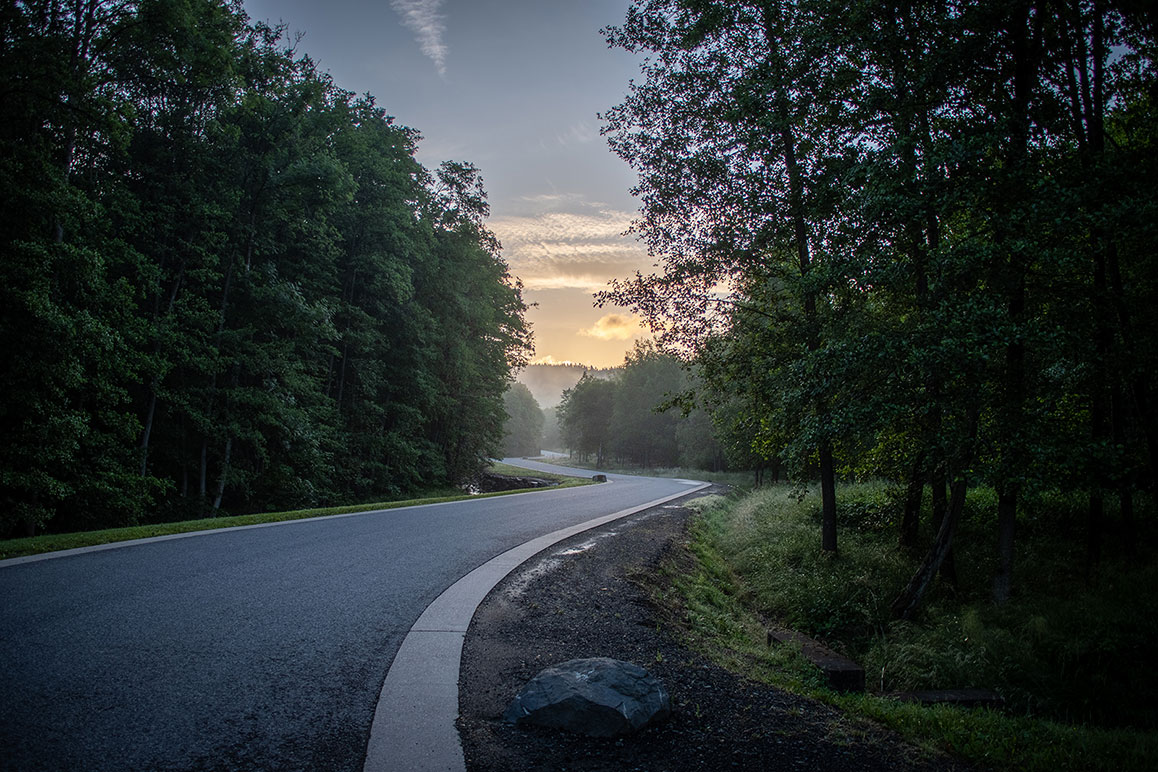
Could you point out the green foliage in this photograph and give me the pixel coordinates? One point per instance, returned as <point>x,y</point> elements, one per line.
<point>228,283</point>
<point>1066,657</point>
<point>919,236</point>
<point>1010,742</point>
<point>523,430</point>
<point>718,618</point>
<point>1061,648</point>
<point>768,537</point>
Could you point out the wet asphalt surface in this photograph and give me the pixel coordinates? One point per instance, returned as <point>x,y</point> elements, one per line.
<point>250,649</point>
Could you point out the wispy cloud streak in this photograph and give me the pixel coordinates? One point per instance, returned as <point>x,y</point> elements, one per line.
<point>423,19</point>
<point>569,244</point>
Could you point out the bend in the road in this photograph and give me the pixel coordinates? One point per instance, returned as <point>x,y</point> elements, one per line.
<point>414,722</point>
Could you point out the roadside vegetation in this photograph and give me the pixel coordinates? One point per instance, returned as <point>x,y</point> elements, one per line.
<point>34,545</point>
<point>227,283</point>
<point>1069,653</point>
<point>909,242</point>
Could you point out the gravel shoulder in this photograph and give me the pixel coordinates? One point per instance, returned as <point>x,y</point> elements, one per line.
<point>587,597</point>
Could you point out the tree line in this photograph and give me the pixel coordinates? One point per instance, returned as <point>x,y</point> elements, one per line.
<point>226,282</point>
<point>634,415</point>
<point>910,239</point>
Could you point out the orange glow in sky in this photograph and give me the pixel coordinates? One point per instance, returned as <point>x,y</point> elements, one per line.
<point>564,250</point>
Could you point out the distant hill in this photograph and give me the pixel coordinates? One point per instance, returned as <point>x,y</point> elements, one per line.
<point>548,382</point>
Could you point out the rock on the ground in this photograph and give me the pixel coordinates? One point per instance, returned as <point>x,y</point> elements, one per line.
<point>597,697</point>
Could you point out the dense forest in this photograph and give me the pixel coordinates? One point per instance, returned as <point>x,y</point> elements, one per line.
<point>641,415</point>
<point>912,241</point>
<point>226,282</point>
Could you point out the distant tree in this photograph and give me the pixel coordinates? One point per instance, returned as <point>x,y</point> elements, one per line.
<point>697,443</point>
<point>523,430</point>
<point>643,432</point>
<point>585,417</point>
<point>552,432</point>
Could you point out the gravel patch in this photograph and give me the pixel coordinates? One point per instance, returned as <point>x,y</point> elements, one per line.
<point>586,597</point>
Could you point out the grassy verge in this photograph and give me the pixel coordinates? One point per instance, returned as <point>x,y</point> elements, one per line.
<point>1055,653</point>
<point>14,548</point>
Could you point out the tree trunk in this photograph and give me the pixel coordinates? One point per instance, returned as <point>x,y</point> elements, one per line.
<point>148,428</point>
<point>827,498</point>
<point>907,603</point>
<point>780,92</point>
<point>1099,418</point>
<point>224,474</point>
<point>911,520</point>
<point>909,600</point>
<point>342,375</point>
<point>1139,385</point>
<point>155,383</point>
<point>204,472</point>
<point>1006,522</point>
<point>1129,528</point>
<point>940,512</point>
<point>1026,59</point>
<point>1125,476</point>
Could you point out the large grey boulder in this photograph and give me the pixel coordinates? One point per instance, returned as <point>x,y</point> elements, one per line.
<point>597,697</point>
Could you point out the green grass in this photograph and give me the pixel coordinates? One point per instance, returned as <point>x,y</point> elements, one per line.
<point>1065,655</point>
<point>14,548</point>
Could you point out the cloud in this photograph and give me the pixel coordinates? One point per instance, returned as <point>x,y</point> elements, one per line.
<point>423,19</point>
<point>606,226</point>
<point>614,327</point>
<point>568,244</point>
<point>581,133</point>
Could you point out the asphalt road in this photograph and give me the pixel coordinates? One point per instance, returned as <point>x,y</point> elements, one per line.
<point>248,649</point>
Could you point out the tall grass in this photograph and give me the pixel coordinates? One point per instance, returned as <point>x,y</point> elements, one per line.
<point>1074,652</point>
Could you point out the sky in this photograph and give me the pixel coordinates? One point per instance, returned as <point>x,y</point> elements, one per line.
<point>514,87</point>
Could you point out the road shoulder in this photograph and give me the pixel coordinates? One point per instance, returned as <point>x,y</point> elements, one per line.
<point>586,597</point>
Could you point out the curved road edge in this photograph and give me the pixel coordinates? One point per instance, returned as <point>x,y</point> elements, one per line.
<point>414,721</point>
<point>113,545</point>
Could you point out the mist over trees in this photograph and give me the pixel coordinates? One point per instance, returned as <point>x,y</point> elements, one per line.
<point>547,382</point>
<point>634,416</point>
<point>226,283</point>
<point>911,240</point>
